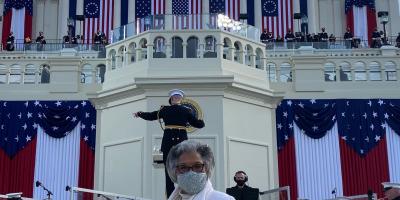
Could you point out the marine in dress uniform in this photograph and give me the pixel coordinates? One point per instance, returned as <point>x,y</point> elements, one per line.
<point>176,117</point>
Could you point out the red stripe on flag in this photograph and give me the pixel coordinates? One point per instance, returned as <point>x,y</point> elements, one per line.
<point>86,168</point>
<point>287,167</point>
<point>363,173</point>
<point>6,26</point>
<point>28,25</point>
<point>371,18</point>
<point>17,173</point>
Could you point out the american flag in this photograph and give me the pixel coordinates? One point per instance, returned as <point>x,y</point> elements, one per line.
<point>348,144</point>
<point>277,16</point>
<point>149,13</point>
<point>187,14</point>
<point>216,7</point>
<point>232,9</point>
<point>36,136</point>
<point>99,15</point>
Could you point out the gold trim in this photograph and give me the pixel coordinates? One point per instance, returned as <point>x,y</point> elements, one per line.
<point>191,104</point>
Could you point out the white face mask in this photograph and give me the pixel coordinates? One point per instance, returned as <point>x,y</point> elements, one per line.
<point>192,182</point>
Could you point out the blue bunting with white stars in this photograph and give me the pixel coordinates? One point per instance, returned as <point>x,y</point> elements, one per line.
<point>19,121</point>
<point>361,122</point>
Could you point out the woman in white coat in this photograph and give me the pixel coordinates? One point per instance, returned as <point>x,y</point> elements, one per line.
<point>190,165</point>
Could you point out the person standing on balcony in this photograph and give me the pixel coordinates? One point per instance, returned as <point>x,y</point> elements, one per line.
<point>323,38</point>
<point>40,41</point>
<point>176,117</point>
<point>348,38</point>
<point>289,39</point>
<point>10,42</point>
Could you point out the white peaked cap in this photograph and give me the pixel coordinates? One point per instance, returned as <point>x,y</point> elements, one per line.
<point>176,92</point>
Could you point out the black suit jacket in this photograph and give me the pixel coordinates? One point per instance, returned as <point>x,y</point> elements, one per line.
<point>245,193</point>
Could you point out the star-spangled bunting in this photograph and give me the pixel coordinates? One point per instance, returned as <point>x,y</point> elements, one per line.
<point>19,121</point>
<point>18,4</point>
<point>361,123</point>
<point>359,3</point>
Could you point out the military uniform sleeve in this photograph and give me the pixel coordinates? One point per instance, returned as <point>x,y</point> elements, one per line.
<point>148,115</point>
<point>193,121</point>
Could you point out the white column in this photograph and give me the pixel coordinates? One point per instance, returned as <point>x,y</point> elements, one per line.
<point>117,13</point>
<point>79,11</point>
<point>39,18</point>
<point>131,11</point>
<point>313,14</point>
<point>206,11</point>
<point>63,12</point>
<point>296,9</point>
<point>243,6</point>
<point>168,12</point>
<point>257,13</point>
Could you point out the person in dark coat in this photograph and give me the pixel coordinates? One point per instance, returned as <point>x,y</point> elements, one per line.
<point>176,117</point>
<point>10,42</point>
<point>348,39</point>
<point>241,191</point>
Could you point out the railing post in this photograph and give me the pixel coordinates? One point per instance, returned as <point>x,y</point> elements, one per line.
<point>184,46</point>
<point>150,51</point>
<point>253,60</point>
<point>138,54</point>
<point>230,55</point>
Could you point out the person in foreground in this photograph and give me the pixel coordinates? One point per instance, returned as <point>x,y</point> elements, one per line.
<point>241,191</point>
<point>190,165</point>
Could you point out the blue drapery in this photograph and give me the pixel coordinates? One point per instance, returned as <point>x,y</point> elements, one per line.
<point>19,121</point>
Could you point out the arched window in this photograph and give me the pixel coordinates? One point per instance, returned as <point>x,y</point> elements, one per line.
<point>100,73</point>
<point>192,47</point>
<point>227,45</point>
<point>390,71</point>
<point>15,74</point>
<point>113,59</point>
<point>271,72</point>
<point>3,74</point>
<point>249,52</point>
<point>121,56</point>
<point>211,43</point>
<point>345,72</point>
<point>374,71</point>
<point>159,50</point>
<point>359,72</point>
<point>177,47</point>
<point>238,54</point>
<point>30,74</point>
<point>87,74</point>
<point>329,72</point>
<point>259,56</point>
<point>143,46</point>
<point>132,52</point>
<point>286,72</point>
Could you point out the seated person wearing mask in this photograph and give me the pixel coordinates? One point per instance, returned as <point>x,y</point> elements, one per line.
<point>241,191</point>
<point>190,165</point>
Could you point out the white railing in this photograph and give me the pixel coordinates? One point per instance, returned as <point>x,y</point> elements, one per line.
<point>99,194</point>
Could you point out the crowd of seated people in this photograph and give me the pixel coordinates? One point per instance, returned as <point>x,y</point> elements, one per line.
<point>321,40</point>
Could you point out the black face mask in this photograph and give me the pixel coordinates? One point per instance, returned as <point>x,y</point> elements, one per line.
<point>240,182</point>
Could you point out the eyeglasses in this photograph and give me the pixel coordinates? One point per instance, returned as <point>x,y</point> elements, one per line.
<point>198,167</point>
